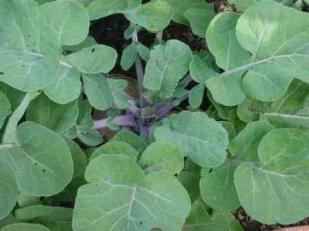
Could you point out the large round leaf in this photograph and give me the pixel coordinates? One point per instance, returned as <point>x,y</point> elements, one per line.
<point>41,161</point>
<point>73,27</point>
<point>203,139</point>
<point>276,190</point>
<point>121,198</point>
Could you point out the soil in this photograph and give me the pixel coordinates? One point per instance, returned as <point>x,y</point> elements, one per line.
<point>109,31</point>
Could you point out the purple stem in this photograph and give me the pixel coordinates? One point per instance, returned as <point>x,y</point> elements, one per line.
<point>140,74</point>
<point>165,109</point>
<point>122,120</point>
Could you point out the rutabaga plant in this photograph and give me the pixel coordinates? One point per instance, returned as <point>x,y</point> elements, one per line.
<point>170,165</point>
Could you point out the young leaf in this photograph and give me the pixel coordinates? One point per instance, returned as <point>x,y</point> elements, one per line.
<point>43,153</point>
<point>244,145</point>
<point>59,118</point>
<point>5,109</point>
<point>94,59</point>
<point>202,139</point>
<point>196,96</point>
<point>98,92</point>
<point>162,157</point>
<point>276,190</point>
<point>115,148</point>
<point>72,29</point>
<point>217,187</point>
<point>128,56</point>
<point>134,203</point>
<point>25,227</point>
<point>167,65</point>
<point>143,52</point>
<point>154,16</point>
<point>8,189</point>
<point>199,19</point>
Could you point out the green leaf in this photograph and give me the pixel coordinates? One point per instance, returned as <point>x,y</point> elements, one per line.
<point>44,213</point>
<point>7,221</point>
<point>120,200</point>
<point>199,19</point>
<point>196,96</point>
<point>8,190</point>
<point>30,47</point>
<point>276,190</point>
<point>102,8</point>
<point>43,153</point>
<point>14,96</point>
<point>26,71</point>
<point>98,92</point>
<point>180,8</point>
<point>189,178</point>
<point>59,118</point>
<point>115,148</point>
<point>131,138</point>
<point>143,52</point>
<point>94,59</point>
<point>89,136</point>
<point>222,42</point>
<point>118,87</point>
<point>250,110</point>
<point>154,16</point>
<point>200,220</point>
<point>128,56</point>
<point>72,28</point>
<point>217,187</point>
<point>25,227</point>
<point>245,4</point>
<point>84,129</point>
<point>162,157</point>
<point>291,109</point>
<point>25,200</point>
<point>66,87</point>
<point>5,109</point>
<point>202,139</point>
<point>126,171</point>
<point>199,69</point>
<point>275,59</point>
<point>79,158</point>
<point>244,145</point>
<point>167,65</point>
